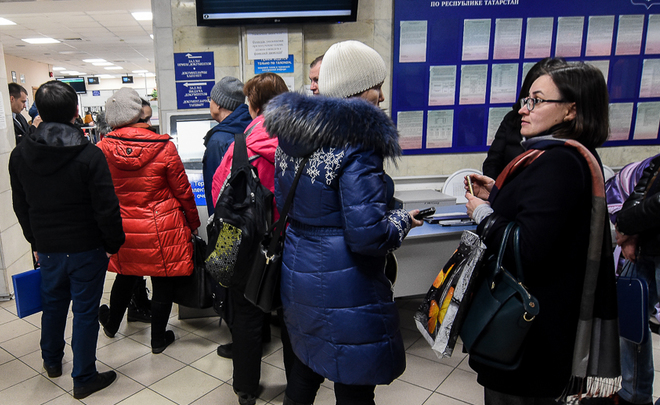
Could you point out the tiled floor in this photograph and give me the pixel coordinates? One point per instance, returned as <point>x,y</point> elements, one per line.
<point>190,372</point>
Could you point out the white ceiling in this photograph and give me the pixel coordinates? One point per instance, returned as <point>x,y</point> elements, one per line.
<point>88,29</point>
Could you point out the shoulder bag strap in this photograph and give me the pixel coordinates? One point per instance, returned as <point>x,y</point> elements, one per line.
<point>240,158</point>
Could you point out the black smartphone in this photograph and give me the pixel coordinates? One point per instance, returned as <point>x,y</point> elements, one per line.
<point>425,213</point>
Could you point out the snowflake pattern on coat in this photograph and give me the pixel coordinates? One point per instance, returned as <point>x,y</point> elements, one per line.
<point>401,220</point>
<point>331,161</point>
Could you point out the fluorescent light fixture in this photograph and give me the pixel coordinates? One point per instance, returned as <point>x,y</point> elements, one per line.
<point>59,68</point>
<point>143,16</point>
<point>140,71</point>
<point>150,74</point>
<point>70,72</point>
<point>4,21</point>
<point>39,41</point>
<point>102,63</point>
<point>114,68</point>
<point>94,60</point>
<point>106,76</point>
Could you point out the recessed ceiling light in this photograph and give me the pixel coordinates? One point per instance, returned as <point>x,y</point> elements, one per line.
<point>102,63</point>
<point>4,21</point>
<point>59,68</point>
<point>38,41</point>
<point>114,68</point>
<point>143,16</point>
<point>140,71</point>
<point>70,72</point>
<point>106,76</point>
<point>94,60</point>
<point>150,74</point>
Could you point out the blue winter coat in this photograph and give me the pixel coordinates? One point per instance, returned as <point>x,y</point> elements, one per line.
<point>338,304</point>
<point>216,141</point>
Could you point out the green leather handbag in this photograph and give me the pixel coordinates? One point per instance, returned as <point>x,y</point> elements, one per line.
<point>501,312</point>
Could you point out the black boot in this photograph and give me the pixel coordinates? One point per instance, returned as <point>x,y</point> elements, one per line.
<point>109,320</point>
<point>289,401</point>
<point>160,338</point>
<point>139,309</point>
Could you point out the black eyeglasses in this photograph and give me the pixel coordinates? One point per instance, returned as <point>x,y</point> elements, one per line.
<point>532,102</point>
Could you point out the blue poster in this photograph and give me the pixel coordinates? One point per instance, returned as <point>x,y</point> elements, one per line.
<point>191,95</point>
<point>96,93</point>
<point>273,65</point>
<point>193,66</point>
<point>197,184</point>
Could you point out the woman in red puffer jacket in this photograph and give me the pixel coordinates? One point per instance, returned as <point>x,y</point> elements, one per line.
<point>158,214</point>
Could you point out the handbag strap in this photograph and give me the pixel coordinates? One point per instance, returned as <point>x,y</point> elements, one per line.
<point>279,225</point>
<point>514,228</point>
<point>240,158</point>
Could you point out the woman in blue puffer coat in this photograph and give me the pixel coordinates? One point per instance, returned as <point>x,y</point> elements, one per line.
<point>338,303</point>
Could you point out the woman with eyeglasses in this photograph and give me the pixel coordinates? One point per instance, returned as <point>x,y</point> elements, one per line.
<point>554,192</point>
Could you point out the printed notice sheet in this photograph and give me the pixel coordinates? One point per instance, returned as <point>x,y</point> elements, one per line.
<point>495,117</point>
<point>620,121</point>
<point>538,40</point>
<point>602,65</point>
<point>629,35</point>
<point>410,125</point>
<point>650,86</point>
<point>3,120</point>
<point>442,85</point>
<point>412,43</point>
<point>527,66</point>
<point>504,83</point>
<point>476,39</point>
<point>599,35</point>
<point>268,43</point>
<point>653,35</point>
<point>473,84</point>
<point>648,120</point>
<point>569,36</point>
<point>508,32</point>
<point>439,128</point>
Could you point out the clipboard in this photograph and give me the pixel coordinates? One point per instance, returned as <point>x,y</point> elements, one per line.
<point>27,292</point>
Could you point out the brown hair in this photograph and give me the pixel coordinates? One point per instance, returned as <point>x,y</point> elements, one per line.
<point>261,88</point>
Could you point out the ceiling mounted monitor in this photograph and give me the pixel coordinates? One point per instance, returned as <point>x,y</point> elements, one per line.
<point>127,79</point>
<point>249,12</point>
<point>92,80</point>
<point>78,83</point>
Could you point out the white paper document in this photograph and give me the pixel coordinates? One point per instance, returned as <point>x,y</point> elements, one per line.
<point>650,86</point>
<point>473,84</point>
<point>620,121</point>
<point>569,37</point>
<point>538,39</point>
<point>629,36</point>
<point>439,128</point>
<point>411,126</point>
<point>653,35</point>
<point>412,41</point>
<point>495,117</point>
<point>268,43</point>
<point>442,85</point>
<point>503,83</point>
<point>599,35</point>
<point>603,66</point>
<point>508,32</point>
<point>476,39</point>
<point>648,120</point>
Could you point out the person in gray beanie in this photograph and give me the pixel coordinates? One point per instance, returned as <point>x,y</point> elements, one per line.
<point>227,106</point>
<point>123,108</point>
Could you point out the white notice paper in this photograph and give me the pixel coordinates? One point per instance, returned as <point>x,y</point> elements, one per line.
<point>442,85</point>
<point>473,84</point>
<point>412,42</point>
<point>290,82</point>
<point>538,40</point>
<point>410,125</point>
<point>603,66</point>
<point>569,36</point>
<point>270,43</point>
<point>508,32</point>
<point>629,37</point>
<point>653,35</point>
<point>495,117</point>
<point>476,39</point>
<point>648,120</point>
<point>3,120</point>
<point>599,35</point>
<point>650,86</point>
<point>527,66</point>
<point>620,121</point>
<point>439,128</point>
<point>503,83</point>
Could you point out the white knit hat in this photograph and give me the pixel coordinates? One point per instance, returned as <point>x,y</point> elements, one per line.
<point>349,68</point>
<point>123,108</point>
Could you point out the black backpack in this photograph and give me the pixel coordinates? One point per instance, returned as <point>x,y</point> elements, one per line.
<point>243,214</point>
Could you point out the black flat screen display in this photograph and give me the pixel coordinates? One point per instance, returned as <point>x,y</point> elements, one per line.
<point>78,83</point>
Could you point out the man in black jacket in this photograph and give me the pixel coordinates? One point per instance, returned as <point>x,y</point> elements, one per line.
<point>65,201</point>
<point>638,234</point>
<point>17,99</point>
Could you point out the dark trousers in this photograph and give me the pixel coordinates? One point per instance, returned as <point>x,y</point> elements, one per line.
<point>303,384</point>
<point>76,277</point>
<point>497,398</point>
<point>247,343</point>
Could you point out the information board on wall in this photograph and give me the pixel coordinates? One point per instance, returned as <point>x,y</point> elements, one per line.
<point>458,65</point>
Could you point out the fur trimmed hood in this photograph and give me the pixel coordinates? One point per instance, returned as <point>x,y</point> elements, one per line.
<point>304,124</point>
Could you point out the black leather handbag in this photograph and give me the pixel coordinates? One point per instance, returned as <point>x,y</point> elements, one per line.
<point>501,312</point>
<point>195,290</point>
<point>263,283</point>
<point>633,299</point>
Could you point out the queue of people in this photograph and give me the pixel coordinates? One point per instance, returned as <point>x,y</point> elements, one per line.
<point>131,211</point>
